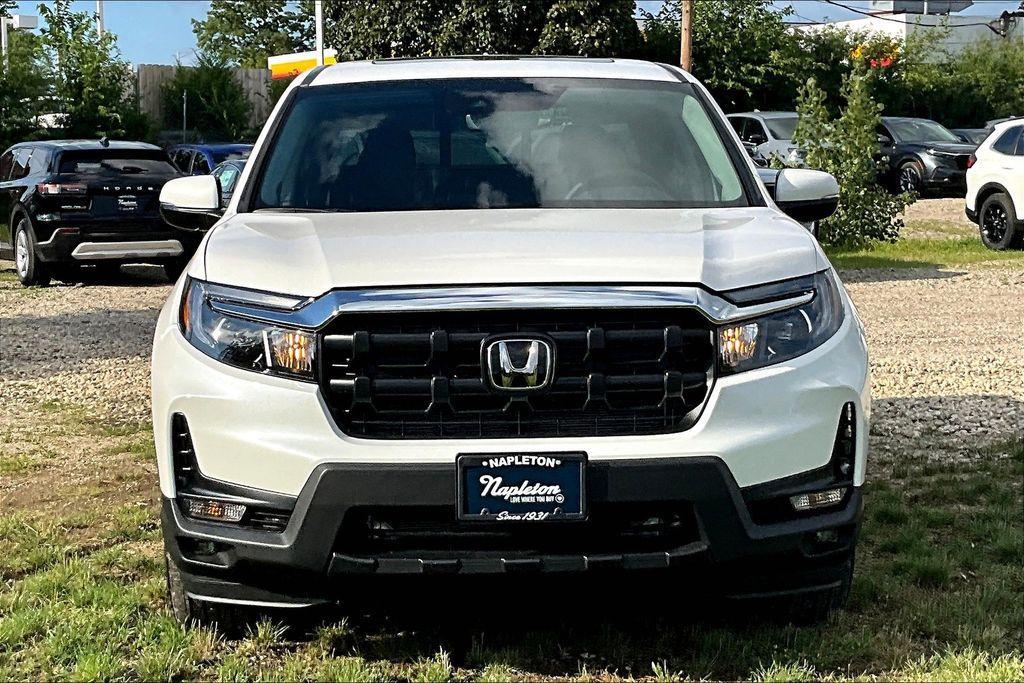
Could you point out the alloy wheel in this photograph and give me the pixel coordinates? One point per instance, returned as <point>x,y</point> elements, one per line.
<point>909,179</point>
<point>994,223</point>
<point>21,254</point>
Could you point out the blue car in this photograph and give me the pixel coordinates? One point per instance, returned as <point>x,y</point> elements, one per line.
<point>202,159</point>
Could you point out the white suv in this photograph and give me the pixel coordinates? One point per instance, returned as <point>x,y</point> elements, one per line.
<point>995,186</point>
<point>491,316</point>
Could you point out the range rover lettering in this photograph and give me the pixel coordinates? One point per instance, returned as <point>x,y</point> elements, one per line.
<point>481,316</point>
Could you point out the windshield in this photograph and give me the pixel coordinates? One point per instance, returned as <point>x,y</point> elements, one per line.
<point>782,127</point>
<point>920,130</point>
<point>116,163</point>
<point>498,143</point>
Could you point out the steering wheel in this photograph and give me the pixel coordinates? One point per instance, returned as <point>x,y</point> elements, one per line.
<point>620,178</point>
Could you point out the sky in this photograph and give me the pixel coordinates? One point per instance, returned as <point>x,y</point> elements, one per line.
<point>160,31</point>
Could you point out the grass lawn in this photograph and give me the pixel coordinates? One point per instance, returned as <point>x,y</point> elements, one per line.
<point>922,253</point>
<point>926,244</point>
<point>938,595</point>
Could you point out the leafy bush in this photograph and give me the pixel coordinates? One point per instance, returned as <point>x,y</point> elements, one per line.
<point>217,106</point>
<point>847,148</point>
<point>915,77</point>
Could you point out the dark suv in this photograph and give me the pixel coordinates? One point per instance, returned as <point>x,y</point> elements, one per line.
<point>67,203</point>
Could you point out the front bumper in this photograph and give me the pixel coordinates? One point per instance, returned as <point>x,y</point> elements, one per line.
<point>943,176</point>
<point>317,556</point>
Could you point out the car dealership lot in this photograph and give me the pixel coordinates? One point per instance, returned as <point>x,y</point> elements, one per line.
<point>940,574</point>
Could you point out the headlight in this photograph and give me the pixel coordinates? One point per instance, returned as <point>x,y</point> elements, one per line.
<point>247,344</point>
<point>783,335</point>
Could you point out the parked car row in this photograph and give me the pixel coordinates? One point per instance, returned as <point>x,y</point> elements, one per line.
<point>66,204</point>
<point>923,157</point>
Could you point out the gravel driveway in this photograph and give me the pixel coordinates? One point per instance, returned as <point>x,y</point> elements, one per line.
<point>946,353</point>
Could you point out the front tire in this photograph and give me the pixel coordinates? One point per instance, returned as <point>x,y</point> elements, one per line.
<point>797,595</point>
<point>910,177</point>
<point>31,271</point>
<point>997,223</point>
<point>814,608</point>
<point>230,620</point>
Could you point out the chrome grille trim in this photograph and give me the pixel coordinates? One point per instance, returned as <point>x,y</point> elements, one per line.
<point>321,310</point>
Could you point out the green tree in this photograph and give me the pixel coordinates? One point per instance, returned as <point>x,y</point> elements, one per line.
<point>590,27</point>
<point>217,106</point>
<point>738,47</point>
<point>365,29</point>
<point>23,89</point>
<point>93,86</point>
<point>847,148</point>
<point>246,32</point>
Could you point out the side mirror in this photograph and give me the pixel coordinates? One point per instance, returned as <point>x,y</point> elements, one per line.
<point>884,140</point>
<point>806,195</point>
<point>191,203</point>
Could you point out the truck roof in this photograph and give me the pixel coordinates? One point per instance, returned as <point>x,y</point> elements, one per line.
<point>494,66</point>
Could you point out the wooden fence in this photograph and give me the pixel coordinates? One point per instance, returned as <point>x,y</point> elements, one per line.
<point>151,77</point>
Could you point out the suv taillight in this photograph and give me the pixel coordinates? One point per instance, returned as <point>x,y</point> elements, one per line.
<point>57,188</point>
<point>971,160</point>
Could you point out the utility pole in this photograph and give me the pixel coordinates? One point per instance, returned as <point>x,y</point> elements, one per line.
<point>319,6</point>
<point>686,34</point>
<point>184,114</point>
<point>99,17</point>
<point>3,41</point>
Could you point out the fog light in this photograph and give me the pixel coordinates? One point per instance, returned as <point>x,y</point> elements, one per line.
<point>216,510</point>
<point>818,499</point>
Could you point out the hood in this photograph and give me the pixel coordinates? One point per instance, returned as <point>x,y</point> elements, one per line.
<point>309,254</point>
<point>948,147</point>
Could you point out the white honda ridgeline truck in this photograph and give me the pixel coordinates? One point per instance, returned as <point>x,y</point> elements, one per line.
<point>484,316</point>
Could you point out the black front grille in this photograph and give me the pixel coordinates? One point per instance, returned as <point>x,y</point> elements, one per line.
<point>426,531</point>
<point>419,376</point>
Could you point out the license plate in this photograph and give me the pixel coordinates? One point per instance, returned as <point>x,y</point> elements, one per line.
<point>522,487</point>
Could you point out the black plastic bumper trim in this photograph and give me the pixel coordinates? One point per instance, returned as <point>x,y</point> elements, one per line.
<point>302,564</point>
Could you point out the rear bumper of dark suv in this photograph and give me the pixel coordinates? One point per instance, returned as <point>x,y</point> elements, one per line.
<point>354,522</point>
<point>144,240</point>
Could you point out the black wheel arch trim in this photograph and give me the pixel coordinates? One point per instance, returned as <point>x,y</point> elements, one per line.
<point>986,191</point>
